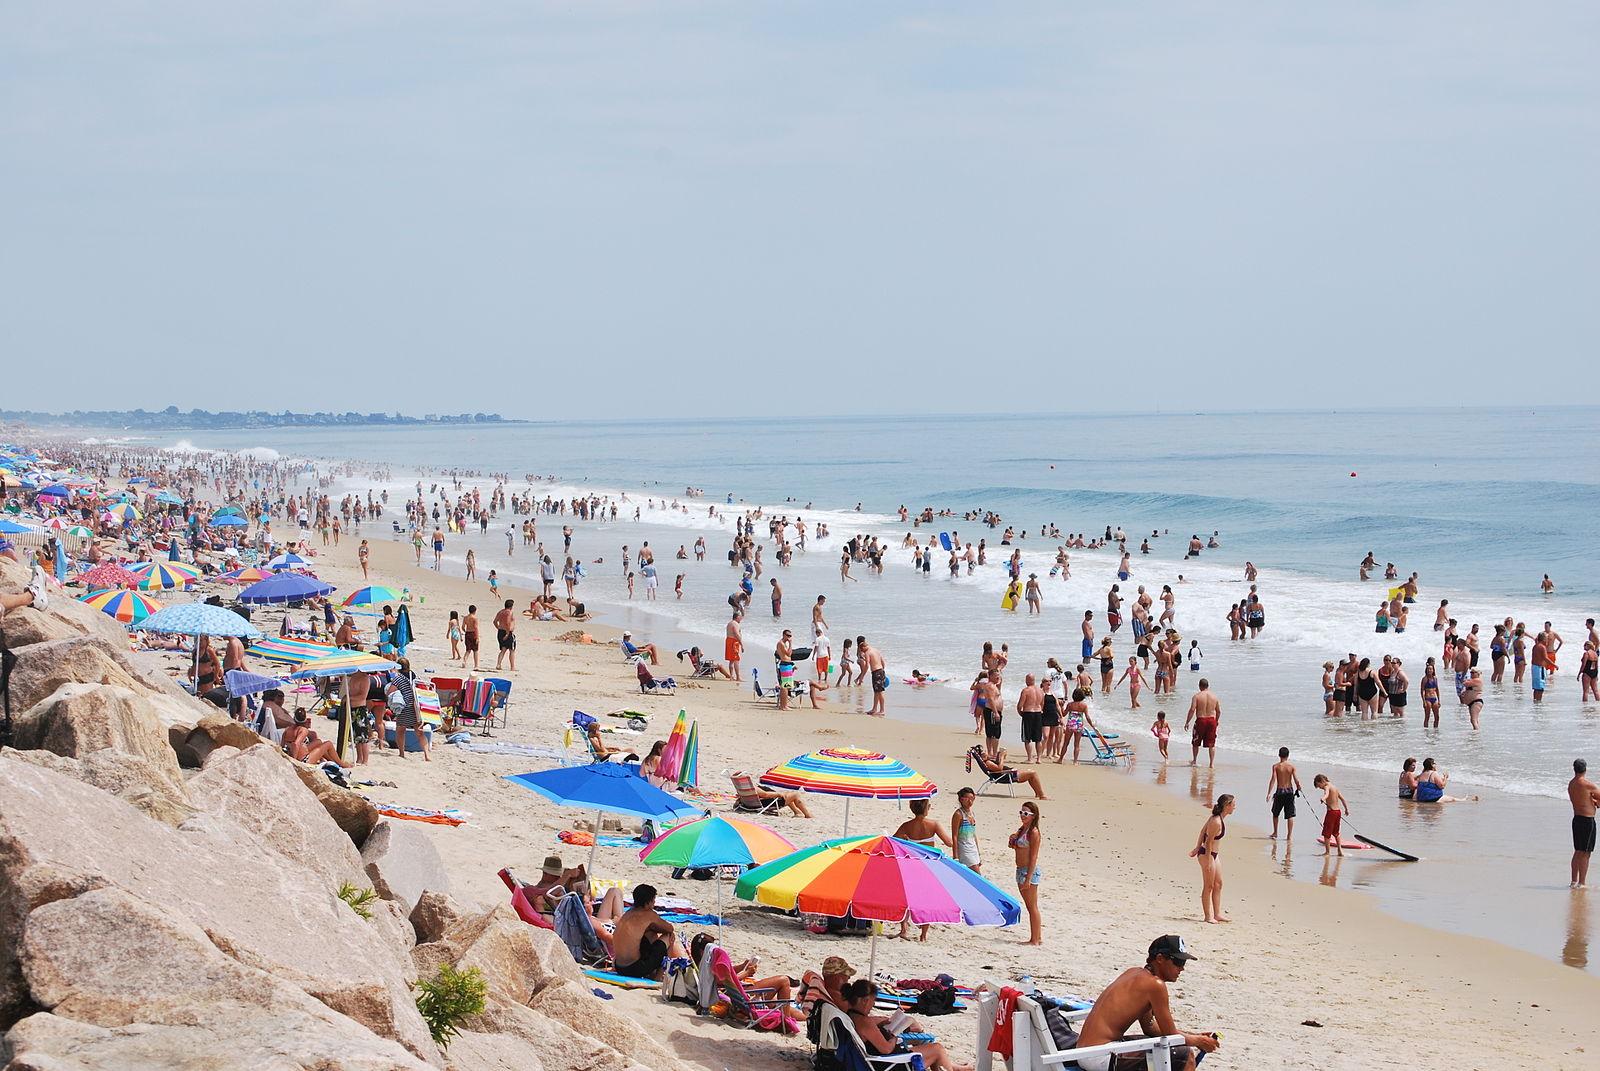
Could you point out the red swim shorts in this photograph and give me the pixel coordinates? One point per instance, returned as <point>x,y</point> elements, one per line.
<point>730,649</point>
<point>1330,824</point>
<point>1205,732</point>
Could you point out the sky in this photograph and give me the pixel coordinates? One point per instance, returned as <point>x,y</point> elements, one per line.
<point>596,209</point>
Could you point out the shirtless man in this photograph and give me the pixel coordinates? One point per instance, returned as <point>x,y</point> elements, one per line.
<point>1283,785</point>
<point>1442,618</point>
<point>1541,661</point>
<point>879,676</point>
<point>818,622</point>
<point>1205,711</point>
<point>783,655</point>
<point>1030,707</point>
<point>1088,634</point>
<point>1584,794</point>
<point>505,628</point>
<point>987,709</point>
<point>733,645</point>
<point>642,939</point>
<point>1139,995</point>
<point>469,632</point>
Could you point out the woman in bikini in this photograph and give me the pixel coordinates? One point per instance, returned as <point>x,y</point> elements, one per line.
<point>1026,842</point>
<point>1206,851</point>
<point>1430,695</point>
<point>1330,705</point>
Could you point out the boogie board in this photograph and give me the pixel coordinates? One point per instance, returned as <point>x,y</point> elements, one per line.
<point>1008,601</point>
<point>944,540</point>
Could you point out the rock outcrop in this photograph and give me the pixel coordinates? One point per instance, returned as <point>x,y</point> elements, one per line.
<point>402,864</point>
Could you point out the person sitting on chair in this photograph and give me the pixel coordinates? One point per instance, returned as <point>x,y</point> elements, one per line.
<point>1139,995</point>
<point>302,744</point>
<point>873,1030</point>
<point>791,800</point>
<point>647,649</point>
<point>1002,774</point>
<point>778,985</point>
<point>602,753</point>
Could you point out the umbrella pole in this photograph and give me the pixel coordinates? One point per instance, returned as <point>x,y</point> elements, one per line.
<point>593,848</point>
<point>846,832</point>
<point>872,954</point>
<point>719,905</point>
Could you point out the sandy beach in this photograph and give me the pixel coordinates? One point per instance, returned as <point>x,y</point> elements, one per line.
<point>1383,992</point>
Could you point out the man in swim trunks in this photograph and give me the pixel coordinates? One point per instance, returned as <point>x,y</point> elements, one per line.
<point>1088,634</point>
<point>1282,787</point>
<point>733,645</point>
<point>1335,807</point>
<point>880,676</point>
<point>1139,995</point>
<point>1585,795</point>
<point>1030,705</point>
<point>1541,665</point>
<point>642,939</point>
<point>988,707</point>
<point>1205,711</point>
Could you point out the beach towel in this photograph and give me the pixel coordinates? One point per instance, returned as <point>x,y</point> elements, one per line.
<point>691,920</point>
<point>622,981</point>
<point>582,838</point>
<point>576,930</point>
<point>448,817</point>
<point>466,742</point>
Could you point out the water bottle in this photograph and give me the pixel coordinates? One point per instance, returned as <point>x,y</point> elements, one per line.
<point>1025,983</point>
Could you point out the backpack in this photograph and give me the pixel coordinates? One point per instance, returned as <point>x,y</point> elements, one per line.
<point>939,1000</point>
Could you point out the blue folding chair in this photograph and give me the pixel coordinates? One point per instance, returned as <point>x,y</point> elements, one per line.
<point>498,700</point>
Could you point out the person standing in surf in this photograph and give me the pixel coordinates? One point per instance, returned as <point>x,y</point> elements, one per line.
<point>1205,710</point>
<point>1585,795</point>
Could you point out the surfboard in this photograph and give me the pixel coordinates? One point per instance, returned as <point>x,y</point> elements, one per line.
<point>1385,848</point>
<point>944,540</point>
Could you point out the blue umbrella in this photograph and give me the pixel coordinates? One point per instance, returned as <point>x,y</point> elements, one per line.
<point>605,788</point>
<point>13,528</point>
<point>289,560</point>
<point>285,587</point>
<point>402,635</point>
<point>59,490</point>
<point>199,619</point>
<point>228,520</point>
<point>169,498</point>
<point>243,682</point>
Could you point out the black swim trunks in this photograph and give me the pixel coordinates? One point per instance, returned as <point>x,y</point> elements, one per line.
<point>652,951</point>
<point>880,681</point>
<point>1583,833</point>
<point>991,725</point>
<point>1283,803</point>
<point>1032,726</point>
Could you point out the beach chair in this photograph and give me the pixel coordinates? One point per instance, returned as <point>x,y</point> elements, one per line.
<point>576,930</point>
<point>747,801</point>
<point>520,902</point>
<point>1003,779</point>
<point>1109,751</point>
<point>473,707</point>
<point>498,700</point>
<point>649,682</point>
<point>719,979</point>
<point>840,1047</point>
<point>1033,1046</point>
<point>449,690</point>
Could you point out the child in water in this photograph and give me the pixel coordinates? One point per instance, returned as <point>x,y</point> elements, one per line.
<point>1161,731</point>
<point>1335,808</point>
<point>1135,681</point>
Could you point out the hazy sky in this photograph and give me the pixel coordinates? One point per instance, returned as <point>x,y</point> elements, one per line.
<point>592,208</point>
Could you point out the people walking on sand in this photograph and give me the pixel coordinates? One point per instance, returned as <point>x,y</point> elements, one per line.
<point>1283,785</point>
<point>1205,711</point>
<point>1585,796</point>
<point>1207,851</point>
<point>1334,810</point>
<point>964,828</point>
<point>363,553</point>
<point>1026,843</point>
<point>452,633</point>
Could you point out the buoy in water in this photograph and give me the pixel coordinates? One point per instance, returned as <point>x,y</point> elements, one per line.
<point>1352,475</point>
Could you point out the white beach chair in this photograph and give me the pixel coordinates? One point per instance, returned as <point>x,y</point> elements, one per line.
<point>837,1030</point>
<point>1033,1047</point>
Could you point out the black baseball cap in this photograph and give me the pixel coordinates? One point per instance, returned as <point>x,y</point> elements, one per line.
<point>1171,946</point>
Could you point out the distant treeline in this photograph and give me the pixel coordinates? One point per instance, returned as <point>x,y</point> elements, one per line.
<point>173,417</point>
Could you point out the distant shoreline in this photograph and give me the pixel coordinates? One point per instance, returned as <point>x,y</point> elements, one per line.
<point>171,419</point>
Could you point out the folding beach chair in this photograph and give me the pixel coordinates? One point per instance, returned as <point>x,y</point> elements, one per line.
<point>449,689</point>
<point>1006,779</point>
<point>1034,1047</point>
<point>473,708</point>
<point>839,1046</point>
<point>576,930</point>
<point>719,979</point>
<point>649,682</point>
<point>498,701</point>
<point>1108,751</point>
<point>746,799</point>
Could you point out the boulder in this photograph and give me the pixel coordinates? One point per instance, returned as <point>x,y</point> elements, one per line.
<point>434,914</point>
<point>263,909</point>
<point>560,1047</point>
<point>128,777</point>
<point>43,667</point>
<point>258,790</point>
<point>78,719</point>
<point>65,618</point>
<point>502,946</point>
<point>402,863</point>
<point>471,1051</point>
<point>214,731</point>
<point>575,1004</point>
<point>351,811</point>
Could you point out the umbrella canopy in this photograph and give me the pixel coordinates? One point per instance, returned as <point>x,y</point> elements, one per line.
<point>248,575</point>
<point>689,769</point>
<point>713,840</point>
<point>123,512</point>
<point>284,587</point>
<point>851,771</point>
<point>199,619</point>
<point>78,531</point>
<point>340,663</point>
<point>56,490</point>
<point>129,607</point>
<point>107,575</point>
<point>168,498</point>
<point>242,682</point>
<point>671,759</point>
<point>289,652</point>
<point>375,595</point>
<point>13,528</point>
<point>605,788</point>
<point>161,575</point>
<point>230,520</point>
<point>288,561</point>
<point>228,511</point>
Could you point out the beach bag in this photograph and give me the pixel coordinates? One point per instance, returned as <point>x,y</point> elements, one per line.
<point>937,1000</point>
<point>1060,1030</point>
<point>681,983</point>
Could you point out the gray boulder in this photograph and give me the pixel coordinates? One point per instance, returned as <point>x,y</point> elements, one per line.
<point>402,863</point>
<point>78,719</point>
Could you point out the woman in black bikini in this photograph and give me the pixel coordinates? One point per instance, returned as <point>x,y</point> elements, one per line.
<point>1367,689</point>
<point>1205,851</point>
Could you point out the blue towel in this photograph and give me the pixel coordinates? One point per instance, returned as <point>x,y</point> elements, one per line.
<point>691,920</point>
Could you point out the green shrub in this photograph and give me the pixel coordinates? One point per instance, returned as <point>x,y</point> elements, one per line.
<point>450,998</point>
<point>360,900</point>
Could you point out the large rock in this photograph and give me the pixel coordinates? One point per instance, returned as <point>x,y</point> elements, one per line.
<point>560,1047</point>
<point>43,667</point>
<point>576,1005</point>
<point>350,811</point>
<point>503,947</point>
<point>78,719</point>
<point>212,732</point>
<point>402,863</point>
<point>263,909</point>
<point>258,789</point>
<point>128,777</point>
<point>65,618</point>
<point>471,1051</point>
<point>433,916</point>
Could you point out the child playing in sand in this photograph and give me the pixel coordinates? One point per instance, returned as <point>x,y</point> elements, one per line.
<point>1135,681</point>
<point>1336,808</point>
<point>1161,731</point>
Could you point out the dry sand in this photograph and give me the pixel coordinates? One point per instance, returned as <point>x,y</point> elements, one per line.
<point>1386,993</point>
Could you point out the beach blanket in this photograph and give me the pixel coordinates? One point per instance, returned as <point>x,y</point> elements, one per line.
<point>690,919</point>
<point>582,838</point>
<point>449,817</point>
<point>622,981</point>
<point>500,747</point>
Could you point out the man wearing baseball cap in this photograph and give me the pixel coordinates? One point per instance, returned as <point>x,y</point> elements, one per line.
<point>1139,995</point>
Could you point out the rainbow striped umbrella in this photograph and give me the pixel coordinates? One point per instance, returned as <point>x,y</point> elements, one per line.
<point>107,575</point>
<point>853,773</point>
<point>712,841</point>
<point>122,513</point>
<point>341,663</point>
<point>247,575</point>
<point>289,652</point>
<point>375,595</point>
<point>881,878</point>
<point>671,760</point>
<point>164,575</point>
<point>129,607</point>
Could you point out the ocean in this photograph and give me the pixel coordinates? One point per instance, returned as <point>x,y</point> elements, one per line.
<point>1480,503</point>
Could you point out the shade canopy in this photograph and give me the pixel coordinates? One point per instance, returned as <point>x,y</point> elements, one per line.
<point>284,587</point>
<point>107,575</point>
<point>289,652</point>
<point>713,840</point>
<point>609,787</point>
<point>129,607</point>
<point>341,663</point>
<point>163,575</point>
<point>372,595</point>
<point>288,561</point>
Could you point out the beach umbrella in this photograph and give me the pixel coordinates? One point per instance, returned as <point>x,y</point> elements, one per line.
<point>123,513</point>
<point>374,595</point>
<point>287,651</point>
<point>243,682</point>
<point>55,490</point>
<point>161,575</point>
<point>78,531</point>
<point>13,528</point>
<point>401,636</point>
<point>342,663</point>
<point>229,520</point>
<point>129,607</point>
<point>713,841</point>
<point>288,560</point>
<point>108,575</point>
<point>284,587</point>
<point>852,773</point>
<point>882,879</point>
<point>168,498</point>
<point>138,479</point>
<point>689,769</point>
<point>199,619</point>
<point>247,575</point>
<point>672,754</point>
<point>605,788</point>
